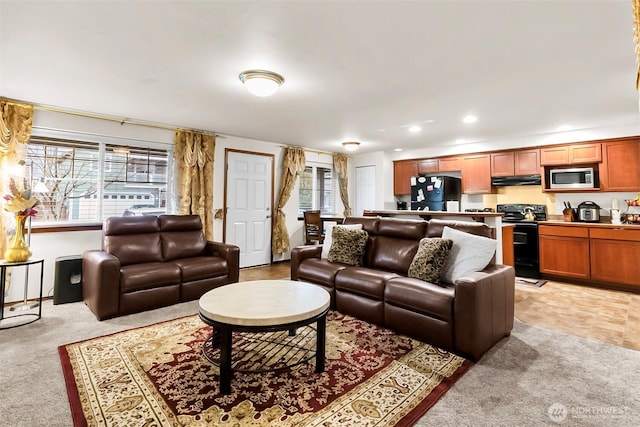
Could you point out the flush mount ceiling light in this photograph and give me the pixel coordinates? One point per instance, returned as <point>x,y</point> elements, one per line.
<point>260,82</point>
<point>351,145</point>
<point>470,119</point>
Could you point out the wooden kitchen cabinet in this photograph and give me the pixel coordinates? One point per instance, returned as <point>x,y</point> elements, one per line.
<point>620,170</point>
<point>571,154</point>
<point>564,251</point>
<point>427,166</point>
<point>476,174</point>
<point>503,164</point>
<point>614,255</point>
<point>519,162</point>
<point>403,170</point>
<point>449,164</point>
<point>527,162</point>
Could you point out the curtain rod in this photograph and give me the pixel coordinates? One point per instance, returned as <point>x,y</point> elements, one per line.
<point>107,118</point>
<point>309,149</point>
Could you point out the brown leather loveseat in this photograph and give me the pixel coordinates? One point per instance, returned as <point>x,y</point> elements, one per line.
<point>466,317</point>
<point>148,262</point>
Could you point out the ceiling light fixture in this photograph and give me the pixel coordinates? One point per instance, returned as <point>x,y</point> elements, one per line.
<point>41,187</point>
<point>415,129</point>
<point>260,82</point>
<point>351,145</point>
<point>470,119</point>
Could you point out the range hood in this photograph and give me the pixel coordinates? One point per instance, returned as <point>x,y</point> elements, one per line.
<point>504,181</point>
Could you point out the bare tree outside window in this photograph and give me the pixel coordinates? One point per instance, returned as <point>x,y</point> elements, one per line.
<point>91,181</point>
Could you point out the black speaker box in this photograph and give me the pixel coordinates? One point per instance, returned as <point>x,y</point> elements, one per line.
<point>67,285</point>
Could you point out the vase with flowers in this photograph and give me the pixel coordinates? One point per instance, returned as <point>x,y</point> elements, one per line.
<point>21,205</point>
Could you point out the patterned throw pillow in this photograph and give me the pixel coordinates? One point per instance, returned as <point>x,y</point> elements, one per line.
<point>430,260</point>
<point>347,246</point>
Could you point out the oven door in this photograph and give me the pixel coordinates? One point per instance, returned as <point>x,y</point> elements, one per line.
<point>525,250</point>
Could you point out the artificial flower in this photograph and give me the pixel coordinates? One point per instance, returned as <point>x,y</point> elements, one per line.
<point>19,202</point>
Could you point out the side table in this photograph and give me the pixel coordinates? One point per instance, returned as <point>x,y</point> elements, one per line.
<point>31,317</point>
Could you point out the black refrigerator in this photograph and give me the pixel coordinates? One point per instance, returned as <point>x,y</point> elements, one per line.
<point>433,192</point>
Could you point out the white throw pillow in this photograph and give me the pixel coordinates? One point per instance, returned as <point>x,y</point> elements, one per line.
<point>326,244</point>
<point>469,253</point>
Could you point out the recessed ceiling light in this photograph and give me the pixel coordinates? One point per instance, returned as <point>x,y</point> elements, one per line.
<point>397,149</point>
<point>460,141</point>
<point>470,119</point>
<point>415,129</point>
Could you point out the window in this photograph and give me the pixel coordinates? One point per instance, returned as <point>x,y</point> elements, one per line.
<point>91,181</point>
<point>316,190</point>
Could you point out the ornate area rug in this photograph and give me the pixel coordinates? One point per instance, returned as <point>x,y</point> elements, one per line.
<point>158,376</point>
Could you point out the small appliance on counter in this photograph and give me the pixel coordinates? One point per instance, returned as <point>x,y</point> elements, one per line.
<point>588,212</point>
<point>401,206</point>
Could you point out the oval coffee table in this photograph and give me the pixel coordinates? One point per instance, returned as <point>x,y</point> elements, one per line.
<point>263,306</point>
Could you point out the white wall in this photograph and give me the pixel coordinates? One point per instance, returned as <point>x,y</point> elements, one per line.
<point>52,245</point>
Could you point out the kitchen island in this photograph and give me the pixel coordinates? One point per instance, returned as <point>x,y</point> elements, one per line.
<point>492,219</point>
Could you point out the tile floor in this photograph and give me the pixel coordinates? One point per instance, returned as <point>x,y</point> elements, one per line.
<point>600,314</point>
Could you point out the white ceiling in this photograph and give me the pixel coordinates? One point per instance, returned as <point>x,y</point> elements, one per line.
<point>356,70</point>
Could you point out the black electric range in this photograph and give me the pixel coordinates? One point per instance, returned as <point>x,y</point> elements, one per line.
<point>525,235</point>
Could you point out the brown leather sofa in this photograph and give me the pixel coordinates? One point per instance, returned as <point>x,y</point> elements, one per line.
<point>466,317</point>
<point>148,262</point>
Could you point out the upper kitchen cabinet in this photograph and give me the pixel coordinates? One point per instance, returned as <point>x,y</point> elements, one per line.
<point>620,170</point>
<point>427,166</point>
<point>403,170</point>
<point>571,154</point>
<point>449,164</point>
<point>503,164</point>
<point>476,174</point>
<point>527,162</point>
<point>514,163</point>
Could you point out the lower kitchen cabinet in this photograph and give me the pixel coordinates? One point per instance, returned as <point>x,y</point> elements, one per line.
<point>614,255</point>
<point>564,251</point>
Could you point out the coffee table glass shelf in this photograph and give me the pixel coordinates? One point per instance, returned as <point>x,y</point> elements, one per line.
<point>269,325</point>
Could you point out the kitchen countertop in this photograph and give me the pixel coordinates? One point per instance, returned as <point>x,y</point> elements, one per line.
<point>603,224</point>
<point>432,213</point>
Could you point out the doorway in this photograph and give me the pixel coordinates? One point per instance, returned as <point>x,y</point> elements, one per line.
<point>249,205</point>
<point>365,189</point>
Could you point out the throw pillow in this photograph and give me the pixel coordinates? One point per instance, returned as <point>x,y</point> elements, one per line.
<point>430,259</point>
<point>469,253</point>
<point>347,246</point>
<point>326,245</point>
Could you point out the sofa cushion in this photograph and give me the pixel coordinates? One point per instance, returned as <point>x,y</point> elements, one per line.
<point>431,259</point>
<point>202,267</point>
<point>421,297</point>
<point>135,248</point>
<point>181,236</point>
<point>347,246</point>
<point>469,253</point>
<point>328,237</point>
<point>136,277</point>
<point>363,281</point>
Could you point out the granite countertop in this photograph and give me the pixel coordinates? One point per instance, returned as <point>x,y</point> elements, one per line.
<point>434,213</point>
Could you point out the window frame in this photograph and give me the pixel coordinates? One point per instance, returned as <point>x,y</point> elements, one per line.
<point>102,143</point>
<point>316,196</point>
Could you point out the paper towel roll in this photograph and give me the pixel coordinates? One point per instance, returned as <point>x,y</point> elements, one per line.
<point>453,206</point>
<point>614,204</point>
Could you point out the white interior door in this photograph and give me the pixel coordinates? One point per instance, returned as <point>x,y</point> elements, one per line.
<point>249,206</point>
<point>365,189</point>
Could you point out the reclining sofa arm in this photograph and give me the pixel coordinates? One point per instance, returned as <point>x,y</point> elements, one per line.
<point>101,283</point>
<point>483,309</point>
<point>229,252</point>
<point>299,254</point>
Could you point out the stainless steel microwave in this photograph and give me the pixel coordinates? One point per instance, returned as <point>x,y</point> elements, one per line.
<point>571,178</point>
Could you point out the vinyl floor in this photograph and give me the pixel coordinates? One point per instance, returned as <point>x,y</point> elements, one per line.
<point>599,314</point>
